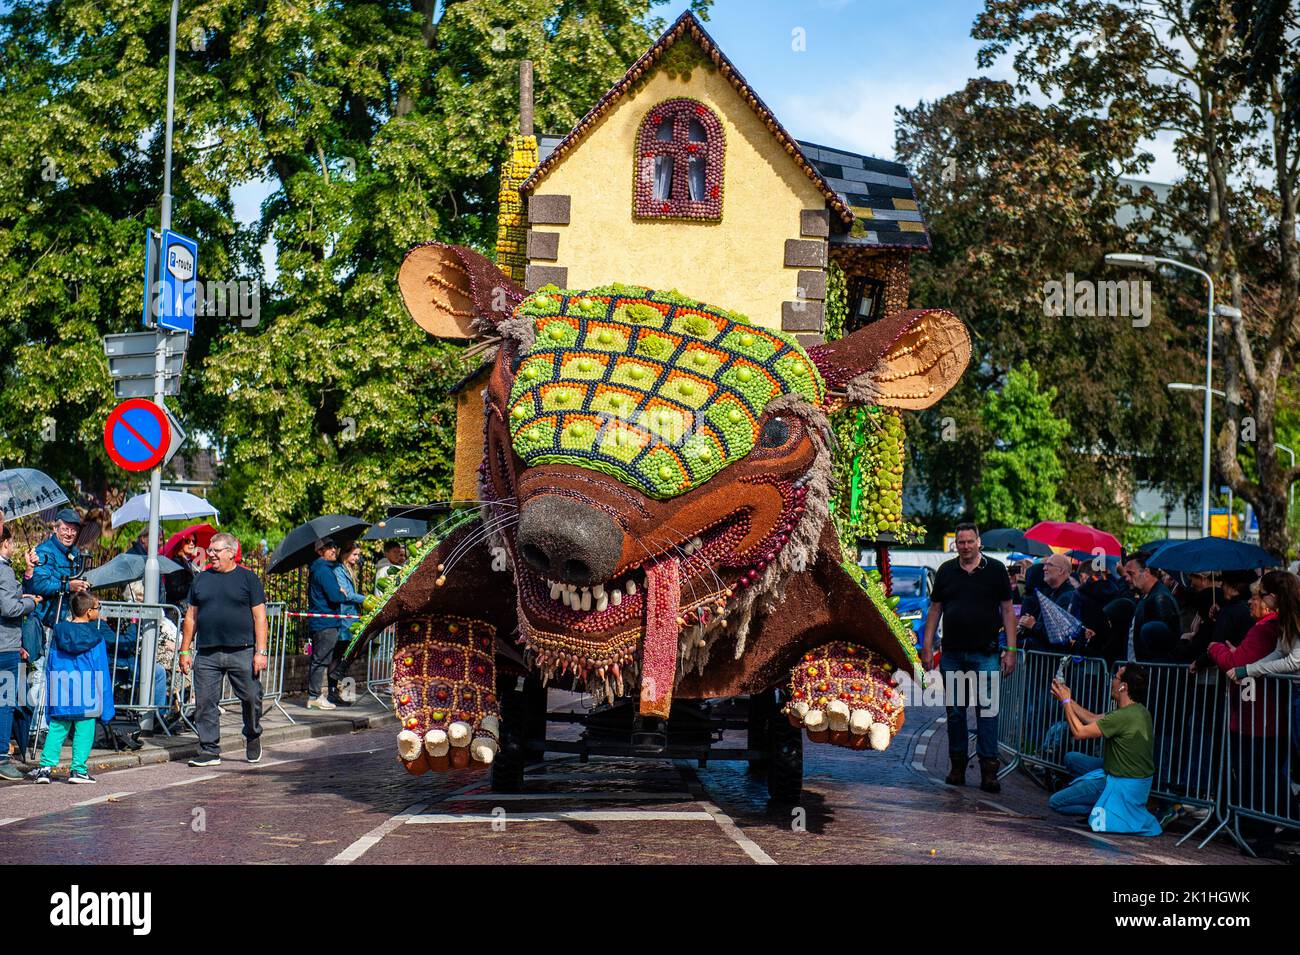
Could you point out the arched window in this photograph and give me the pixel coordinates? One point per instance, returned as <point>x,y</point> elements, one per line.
<point>679,154</point>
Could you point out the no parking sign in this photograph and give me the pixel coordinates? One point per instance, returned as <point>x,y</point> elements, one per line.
<point>137,435</point>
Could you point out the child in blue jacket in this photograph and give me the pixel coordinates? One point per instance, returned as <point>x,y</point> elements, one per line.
<point>78,689</point>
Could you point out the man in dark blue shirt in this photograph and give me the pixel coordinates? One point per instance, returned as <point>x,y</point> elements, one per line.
<point>326,597</point>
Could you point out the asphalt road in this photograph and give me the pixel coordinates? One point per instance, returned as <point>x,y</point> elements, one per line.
<point>343,800</point>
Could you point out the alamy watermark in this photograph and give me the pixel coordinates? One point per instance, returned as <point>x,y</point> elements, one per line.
<point>1085,298</point>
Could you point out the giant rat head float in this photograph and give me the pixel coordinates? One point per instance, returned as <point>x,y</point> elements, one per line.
<point>654,484</point>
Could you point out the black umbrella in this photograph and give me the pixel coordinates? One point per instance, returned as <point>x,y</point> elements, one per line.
<point>1008,538</point>
<point>299,546</point>
<point>125,569</point>
<point>396,528</point>
<point>1212,554</point>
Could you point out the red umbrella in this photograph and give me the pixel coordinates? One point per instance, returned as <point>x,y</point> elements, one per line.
<point>1074,536</point>
<point>202,534</point>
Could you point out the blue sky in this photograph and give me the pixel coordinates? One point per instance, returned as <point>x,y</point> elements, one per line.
<point>861,59</point>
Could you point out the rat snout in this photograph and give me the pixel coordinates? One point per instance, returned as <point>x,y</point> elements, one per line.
<point>566,540</point>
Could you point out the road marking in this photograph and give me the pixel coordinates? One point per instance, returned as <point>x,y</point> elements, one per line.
<point>1091,835</point>
<point>535,797</point>
<point>192,779</point>
<point>5,822</point>
<point>725,822</point>
<point>359,848</point>
<point>584,815</point>
<point>998,806</point>
<point>747,845</point>
<point>99,799</point>
<point>371,839</point>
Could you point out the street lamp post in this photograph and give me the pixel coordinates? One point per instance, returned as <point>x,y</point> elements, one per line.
<point>1150,263</point>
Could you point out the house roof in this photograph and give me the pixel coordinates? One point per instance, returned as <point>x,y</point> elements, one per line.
<point>872,199</point>
<point>877,192</point>
<point>688,25</point>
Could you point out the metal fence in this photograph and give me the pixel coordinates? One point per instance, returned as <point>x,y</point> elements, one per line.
<point>1263,754</point>
<point>1044,736</point>
<point>1228,751</point>
<point>277,651</point>
<point>379,665</point>
<point>154,693</point>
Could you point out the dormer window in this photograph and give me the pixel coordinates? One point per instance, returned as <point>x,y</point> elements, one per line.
<point>679,162</point>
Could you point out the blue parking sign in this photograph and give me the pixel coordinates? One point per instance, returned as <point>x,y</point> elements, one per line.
<point>177,282</point>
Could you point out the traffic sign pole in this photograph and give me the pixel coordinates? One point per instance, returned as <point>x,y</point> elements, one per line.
<point>149,629</point>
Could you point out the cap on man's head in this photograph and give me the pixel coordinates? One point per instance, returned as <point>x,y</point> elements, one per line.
<point>68,516</point>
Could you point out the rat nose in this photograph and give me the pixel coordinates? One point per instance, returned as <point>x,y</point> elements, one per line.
<point>566,540</point>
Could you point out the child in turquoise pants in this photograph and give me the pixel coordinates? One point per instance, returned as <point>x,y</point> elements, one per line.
<point>79,692</point>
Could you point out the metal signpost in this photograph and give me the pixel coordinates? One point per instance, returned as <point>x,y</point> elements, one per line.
<point>171,267</point>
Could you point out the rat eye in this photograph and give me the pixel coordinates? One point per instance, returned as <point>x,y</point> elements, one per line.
<point>775,433</point>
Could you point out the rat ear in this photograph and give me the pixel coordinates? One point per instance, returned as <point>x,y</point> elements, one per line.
<point>906,360</point>
<point>455,292</point>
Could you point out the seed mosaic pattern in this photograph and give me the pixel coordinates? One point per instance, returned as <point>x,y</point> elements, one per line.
<point>655,389</point>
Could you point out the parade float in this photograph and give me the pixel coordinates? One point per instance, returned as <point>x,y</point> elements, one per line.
<point>696,348</point>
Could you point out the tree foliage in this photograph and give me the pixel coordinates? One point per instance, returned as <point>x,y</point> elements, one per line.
<point>1017,195</point>
<point>1021,472</point>
<point>377,125</point>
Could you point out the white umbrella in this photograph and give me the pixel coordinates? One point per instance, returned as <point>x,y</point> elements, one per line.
<point>26,491</point>
<point>175,506</point>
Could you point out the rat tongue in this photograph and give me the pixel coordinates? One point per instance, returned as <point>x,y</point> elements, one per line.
<point>663,590</point>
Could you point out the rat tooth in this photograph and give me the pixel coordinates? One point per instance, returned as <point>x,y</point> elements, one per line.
<point>696,543</point>
<point>555,591</point>
<point>616,596</point>
<point>565,597</point>
<point>586,599</point>
<point>598,591</point>
<point>631,588</point>
<point>601,602</point>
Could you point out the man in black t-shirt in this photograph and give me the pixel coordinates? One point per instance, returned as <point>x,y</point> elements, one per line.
<point>972,595</point>
<point>228,610</point>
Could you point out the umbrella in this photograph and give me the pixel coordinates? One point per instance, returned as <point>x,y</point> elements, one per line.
<point>123,569</point>
<point>1150,547</point>
<point>1211,554</point>
<point>202,534</point>
<point>1086,556</point>
<point>1074,536</point>
<point>1008,538</point>
<point>396,528</point>
<point>1061,625</point>
<point>174,506</point>
<point>299,546</point>
<point>26,491</point>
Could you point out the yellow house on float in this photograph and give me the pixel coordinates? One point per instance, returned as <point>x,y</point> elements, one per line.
<point>680,177</point>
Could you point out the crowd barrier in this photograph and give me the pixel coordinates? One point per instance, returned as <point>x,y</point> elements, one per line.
<point>1261,753</point>
<point>379,665</point>
<point>154,694</point>
<point>277,643</point>
<point>1230,770</point>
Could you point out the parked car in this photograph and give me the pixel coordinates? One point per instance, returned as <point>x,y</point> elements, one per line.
<point>912,585</point>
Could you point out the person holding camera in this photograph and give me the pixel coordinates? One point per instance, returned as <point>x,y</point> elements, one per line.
<point>1112,791</point>
<point>58,573</point>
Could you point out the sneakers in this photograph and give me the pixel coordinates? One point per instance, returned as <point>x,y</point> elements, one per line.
<point>253,751</point>
<point>40,774</point>
<point>10,772</point>
<point>320,703</point>
<point>205,759</point>
<point>81,779</point>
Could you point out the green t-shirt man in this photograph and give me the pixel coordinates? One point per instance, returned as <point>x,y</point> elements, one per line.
<point>1129,748</point>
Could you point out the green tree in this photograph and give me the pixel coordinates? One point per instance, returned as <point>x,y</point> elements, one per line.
<point>1021,471</point>
<point>378,125</point>
<point>1017,195</point>
<point>1222,77</point>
